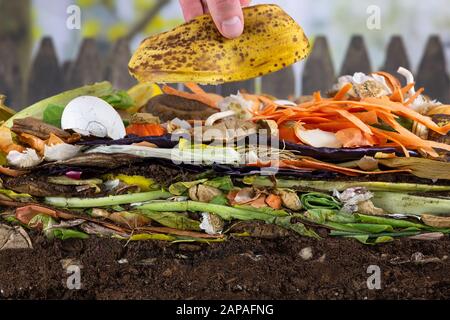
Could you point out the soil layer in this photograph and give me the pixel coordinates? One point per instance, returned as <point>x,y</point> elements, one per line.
<point>242,268</point>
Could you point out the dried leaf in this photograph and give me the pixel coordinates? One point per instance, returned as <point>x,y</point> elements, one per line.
<point>435,221</point>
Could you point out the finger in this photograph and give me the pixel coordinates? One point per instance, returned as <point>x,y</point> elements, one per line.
<point>228,17</point>
<point>205,6</point>
<point>244,3</point>
<point>191,9</point>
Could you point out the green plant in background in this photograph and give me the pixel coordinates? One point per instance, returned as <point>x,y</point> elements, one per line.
<point>102,19</point>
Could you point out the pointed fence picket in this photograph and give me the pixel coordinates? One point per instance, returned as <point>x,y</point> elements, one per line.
<point>47,75</point>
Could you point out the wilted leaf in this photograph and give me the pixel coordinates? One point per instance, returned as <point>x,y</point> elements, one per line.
<point>173,220</point>
<point>315,200</point>
<point>180,188</point>
<point>65,234</point>
<point>144,184</point>
<point>223,183</point>
<point>147,236</point>
<point>299,228</point>
<point>435,221</point>
<point>203,193</point>
<point>420,167</point>
<point>119,100</point>
<point>129,219</point>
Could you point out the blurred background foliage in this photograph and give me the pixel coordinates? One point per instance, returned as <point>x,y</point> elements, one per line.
<point>109,20</point>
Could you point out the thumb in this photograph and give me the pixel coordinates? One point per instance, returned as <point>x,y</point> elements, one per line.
<point>228,17</point>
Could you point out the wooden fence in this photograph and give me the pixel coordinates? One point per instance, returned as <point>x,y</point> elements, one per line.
<point>47,76</point>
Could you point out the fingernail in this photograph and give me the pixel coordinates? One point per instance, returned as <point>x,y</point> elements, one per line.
<point>232,28</point>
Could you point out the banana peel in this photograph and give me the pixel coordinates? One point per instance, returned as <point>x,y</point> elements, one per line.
<point>197,52</point>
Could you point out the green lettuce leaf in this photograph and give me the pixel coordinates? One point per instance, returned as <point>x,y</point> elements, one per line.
<point>221,200</point>
<point>322,216</point>
<point>222,183</point>
<point>316,200</point>
<point>64,234</point>
<point>119,100</point>
<point>52,114</point>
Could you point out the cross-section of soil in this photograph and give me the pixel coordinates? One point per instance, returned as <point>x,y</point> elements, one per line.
<point>242,268</point>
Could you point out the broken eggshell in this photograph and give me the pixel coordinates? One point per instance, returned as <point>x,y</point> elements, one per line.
<point>92,116</point>
<point>62,151</point>
<point>27,159</point>
<point>212,224</point>
<point>317,138</point>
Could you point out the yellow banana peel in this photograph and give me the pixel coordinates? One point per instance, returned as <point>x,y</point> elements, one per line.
<point>141,94</point>
<point>197,52</point>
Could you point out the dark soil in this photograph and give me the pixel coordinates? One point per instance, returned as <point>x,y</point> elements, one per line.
<point>242,268</point>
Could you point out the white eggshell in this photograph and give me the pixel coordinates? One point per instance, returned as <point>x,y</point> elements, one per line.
<point>318,138</point>
<point>89,115</point>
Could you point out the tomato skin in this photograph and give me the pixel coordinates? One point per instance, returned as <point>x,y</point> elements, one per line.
<point>146,130</point>
<point>287,132</point>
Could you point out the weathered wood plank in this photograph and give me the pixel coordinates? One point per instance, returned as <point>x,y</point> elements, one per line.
<point>65,70</point>
<point>233,87</point>
<point>87,68</point>
<point>116,70</point>
<point>356,59</point>
<point>46,78</point>
<point>10,74</point>
<point>318,74</point>
<point>396,57</point>
<point>280,84</point>
<point>212,89</point>
<point>432,72</point>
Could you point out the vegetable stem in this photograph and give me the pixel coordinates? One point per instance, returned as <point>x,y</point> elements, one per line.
<point>343,185</point>
<point>62,202</point>
<point>225,212</point>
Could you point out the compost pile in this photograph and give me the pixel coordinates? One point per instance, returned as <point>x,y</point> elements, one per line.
<point>367,160</point>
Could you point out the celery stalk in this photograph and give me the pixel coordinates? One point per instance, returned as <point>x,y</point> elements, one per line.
<point>62,202</point>
<point>329,186</point>
<point>402,203</point>
<point>225,212</point>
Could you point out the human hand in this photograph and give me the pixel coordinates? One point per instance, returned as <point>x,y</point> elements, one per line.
<point>227,14</point>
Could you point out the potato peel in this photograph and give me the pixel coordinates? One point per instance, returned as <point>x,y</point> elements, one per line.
<point>197,52</point>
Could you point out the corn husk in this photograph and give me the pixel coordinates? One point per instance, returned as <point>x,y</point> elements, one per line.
<point>197,52</point>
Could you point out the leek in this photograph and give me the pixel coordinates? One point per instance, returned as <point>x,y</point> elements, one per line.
<point>316,200</point>
<point>62,202</point>
<point>401,203</point>
<point>225,212</point>
<point>276,217</point>
<point>329,186</point>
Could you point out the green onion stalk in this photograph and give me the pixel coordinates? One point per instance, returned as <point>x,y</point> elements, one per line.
<point>62,202</point>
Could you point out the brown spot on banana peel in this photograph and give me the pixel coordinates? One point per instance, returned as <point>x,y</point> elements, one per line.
<point>197,52</point>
